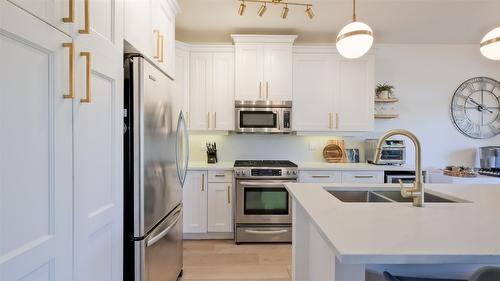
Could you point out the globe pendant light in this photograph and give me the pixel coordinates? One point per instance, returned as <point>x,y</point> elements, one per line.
<point>490,45</point>
<point>355,39</point>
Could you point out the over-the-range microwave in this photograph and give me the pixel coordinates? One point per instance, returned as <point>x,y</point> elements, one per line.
<point>263,117</point>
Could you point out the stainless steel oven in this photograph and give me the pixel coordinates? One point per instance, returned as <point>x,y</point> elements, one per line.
<point>263,205</point>
<point>263,117</point>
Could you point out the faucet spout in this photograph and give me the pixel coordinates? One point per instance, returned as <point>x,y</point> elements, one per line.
<point>417,192</point>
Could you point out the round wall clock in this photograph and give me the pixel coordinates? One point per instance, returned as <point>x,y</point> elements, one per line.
<point>475,108</point>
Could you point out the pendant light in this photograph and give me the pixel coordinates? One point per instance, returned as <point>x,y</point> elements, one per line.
<point>490,45</point>
<point>355,39</point>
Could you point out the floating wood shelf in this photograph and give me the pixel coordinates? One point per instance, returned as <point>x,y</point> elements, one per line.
<point>387,116</point>
<point>387,100</point>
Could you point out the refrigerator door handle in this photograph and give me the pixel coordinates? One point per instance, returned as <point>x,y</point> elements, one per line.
<point>162,234</point>
<point>182,171</point>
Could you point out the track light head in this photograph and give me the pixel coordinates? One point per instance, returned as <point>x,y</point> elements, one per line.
<point>242,8</point>
<point>262,10</point>
<point>309,12</point>
<point>284,13</point>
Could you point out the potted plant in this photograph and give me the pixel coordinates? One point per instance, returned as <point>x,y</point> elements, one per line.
<point>384,91</point>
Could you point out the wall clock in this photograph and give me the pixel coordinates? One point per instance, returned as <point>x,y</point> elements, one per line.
<point>475,108</point>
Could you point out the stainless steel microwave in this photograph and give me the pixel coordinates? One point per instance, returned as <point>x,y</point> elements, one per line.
<point>263,117</point>
<point>393,152</point>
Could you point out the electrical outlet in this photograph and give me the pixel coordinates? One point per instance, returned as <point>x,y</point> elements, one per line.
<point>314,145</point>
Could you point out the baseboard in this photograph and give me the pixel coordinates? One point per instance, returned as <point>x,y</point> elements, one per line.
<point>207,236</point>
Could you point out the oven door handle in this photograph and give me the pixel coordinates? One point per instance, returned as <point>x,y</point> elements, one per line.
<point>278,184</point>
<point>266,232</point>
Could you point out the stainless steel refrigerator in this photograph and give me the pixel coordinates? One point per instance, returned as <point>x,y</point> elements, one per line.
<point>155,165</point>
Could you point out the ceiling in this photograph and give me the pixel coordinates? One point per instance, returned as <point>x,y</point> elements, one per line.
<point>393,21</point>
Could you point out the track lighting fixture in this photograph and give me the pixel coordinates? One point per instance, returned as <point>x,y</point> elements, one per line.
<point>284,13</point>
<point>242,8</point>
<point>262,10</point>
<point>310,12</point>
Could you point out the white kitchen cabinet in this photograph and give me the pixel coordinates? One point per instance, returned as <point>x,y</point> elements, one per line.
<point>354,102</point>
<point>98,144</point>
<point>182,78</point>
<point>320,176</point>
<point>36,149</point>
<point>362,176</point>
<point>220,205</point>
<point>195,200</point>
<point>313,91</point>
<point>150,30</point>
<point>340,91</point>
<point>211,90</point>
<point>263,68</point>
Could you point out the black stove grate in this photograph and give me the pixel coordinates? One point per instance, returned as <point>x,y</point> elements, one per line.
<point>264,163</point>
<point>492,172</point>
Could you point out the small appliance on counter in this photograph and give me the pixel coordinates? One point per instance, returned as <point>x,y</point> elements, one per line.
<point>393,152</point>
<point>489,157</point>
<point>211,153</point>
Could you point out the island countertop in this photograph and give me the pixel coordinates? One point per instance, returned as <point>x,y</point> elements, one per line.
<point>399,233</point>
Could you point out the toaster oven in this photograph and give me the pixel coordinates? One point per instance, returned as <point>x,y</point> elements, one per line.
<point>393,152</point>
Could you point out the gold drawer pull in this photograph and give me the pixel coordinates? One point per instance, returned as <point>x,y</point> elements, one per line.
<point>336,120</point>
<point>156,32</point>
<point>71,16</point>
<point>86,28</point>
<point>71,94</point>
<point>88,93</point>
<point>329,120</point>
<point>228,194</point>
<point>202,182</point>
<point>161,48</point>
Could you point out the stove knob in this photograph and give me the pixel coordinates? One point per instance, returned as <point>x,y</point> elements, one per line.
<point>237,173</point>
<point>294,173</point>
<point>243,173</point>
<point>288,172</point>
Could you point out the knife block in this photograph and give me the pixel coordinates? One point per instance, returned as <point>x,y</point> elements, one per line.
<point>211,158</point>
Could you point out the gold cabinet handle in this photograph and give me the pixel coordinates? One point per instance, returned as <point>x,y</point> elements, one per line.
<point>267,90</point>
<point>71,93</point>
<point>71,17</point>
<point>336,120</point>
<point>228,194</point>
<point>329,120</point>
<point>260,90</point>
<point>86,27</point>
<point>161,48</point>
<point>202,182</point>
<point>88,93</point>
<point>156,32</point>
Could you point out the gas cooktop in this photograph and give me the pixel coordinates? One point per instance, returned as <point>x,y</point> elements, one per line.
<point>492,172</point>
<point>264,163</point>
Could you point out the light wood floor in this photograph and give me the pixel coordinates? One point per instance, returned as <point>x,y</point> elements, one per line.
<point>223,260</point>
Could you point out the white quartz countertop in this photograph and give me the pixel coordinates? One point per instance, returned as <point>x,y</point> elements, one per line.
<point>398,233</point>
<point>351,166</point>
<point>203,165</point>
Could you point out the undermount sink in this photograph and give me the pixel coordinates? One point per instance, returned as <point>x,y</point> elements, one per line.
<point>363,196</point>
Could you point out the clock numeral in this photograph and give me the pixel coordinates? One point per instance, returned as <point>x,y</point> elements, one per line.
<point>458,107</point>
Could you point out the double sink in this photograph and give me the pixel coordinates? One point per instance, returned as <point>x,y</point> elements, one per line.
<point>387,196</point>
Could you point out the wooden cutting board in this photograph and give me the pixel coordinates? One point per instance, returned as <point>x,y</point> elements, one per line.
<point>334,152</point>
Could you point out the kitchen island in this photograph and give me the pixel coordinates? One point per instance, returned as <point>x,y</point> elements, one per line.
<point>346,241</point>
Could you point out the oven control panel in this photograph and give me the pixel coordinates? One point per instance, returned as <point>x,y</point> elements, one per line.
<point>288,173</point>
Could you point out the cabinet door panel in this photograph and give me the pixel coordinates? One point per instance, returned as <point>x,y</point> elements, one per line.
<point>98,139</point>
<point>222,98</point>
<point>200,90</point>
<point>249,73</point>
<point>220,207</point>
<point>195,202</point>
<point>36,149</point>
<point>182,81</point>
<point>354,101</point>
<point>278,72</point>
<point>163,20</point>
<point>314,91</point>
<point>138,29</point>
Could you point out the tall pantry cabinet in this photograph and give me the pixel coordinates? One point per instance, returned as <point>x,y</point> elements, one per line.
<point>61,103</point>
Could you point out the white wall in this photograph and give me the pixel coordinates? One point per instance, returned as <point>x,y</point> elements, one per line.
<point>425,77</point>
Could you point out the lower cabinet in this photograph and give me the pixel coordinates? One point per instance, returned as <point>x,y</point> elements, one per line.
<point>208,202</point>
<point>331,176</point>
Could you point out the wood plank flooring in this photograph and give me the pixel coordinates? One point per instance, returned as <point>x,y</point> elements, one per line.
<point>223,260</point>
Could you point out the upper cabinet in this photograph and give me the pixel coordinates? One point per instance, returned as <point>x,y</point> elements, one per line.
<point>339,90</point>
<point>211,89</point>
<point>150,30</point>
<point>263,67</point>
